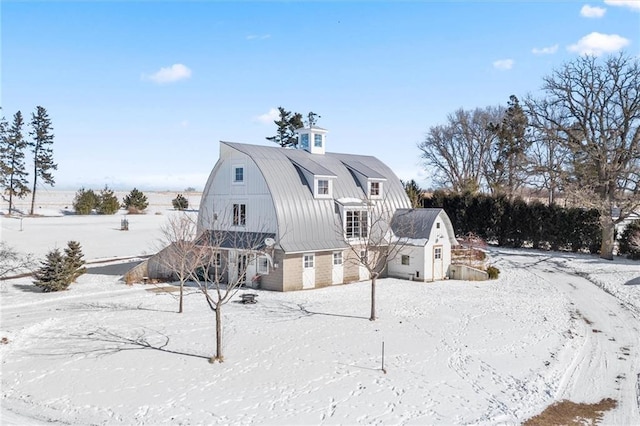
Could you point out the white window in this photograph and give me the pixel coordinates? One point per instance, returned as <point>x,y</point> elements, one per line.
<point>405,260</point>
<point>437,254</point>
<point>239,214</point>
<point>238,174</point>
<point>356,224</point>
<point>437,225</point>
<point>337,258</point>
<point>317,141</point>
<point>304,140</point>
<point>323,188</point>
<point>308,261</point>
<point>263,265</point>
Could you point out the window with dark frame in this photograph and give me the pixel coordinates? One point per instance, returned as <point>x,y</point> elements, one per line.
<point>374,189</point>
<point>238,175</point>
<point>406,259</point>
<point>239,214</point>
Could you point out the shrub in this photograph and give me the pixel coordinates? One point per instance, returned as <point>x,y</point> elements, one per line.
<point>53,274</point>
<point>493,272</point>
<point>108,202</point>
<point>625,244</point>
<point>85,201</point>
<point>180,202</point>
<point>135,201</point>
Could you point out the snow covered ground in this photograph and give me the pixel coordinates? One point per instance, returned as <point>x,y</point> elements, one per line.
<point>495,352</point>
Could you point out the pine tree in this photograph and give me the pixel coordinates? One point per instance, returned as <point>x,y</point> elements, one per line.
<point>109,203</point>
<point>287,124</point>
<point>12,147</point>
<point>73,259</point>
<point>41,143</point>
<point>52,275</point>
<point>136,199</point>
<point>85,201</point>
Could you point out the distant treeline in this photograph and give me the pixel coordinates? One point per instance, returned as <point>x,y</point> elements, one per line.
<point>516,223</point>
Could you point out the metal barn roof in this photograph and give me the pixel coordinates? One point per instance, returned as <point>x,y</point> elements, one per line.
<point>306,223</point>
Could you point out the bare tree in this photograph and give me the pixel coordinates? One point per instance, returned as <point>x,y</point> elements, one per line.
<point>548,158</point>
<point>216,261</point>
<point>594,108</point>
<point>457,152</point>
<point>370,240</point>
<point>181,255</point>
<point>13,262</point>
<point>224,257</point>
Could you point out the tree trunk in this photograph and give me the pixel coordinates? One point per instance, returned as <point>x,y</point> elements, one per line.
<point>219,356</point>
<point>373,297</point>
<point>606,247</point>
<point>181,293</point>
<point>35,181</point>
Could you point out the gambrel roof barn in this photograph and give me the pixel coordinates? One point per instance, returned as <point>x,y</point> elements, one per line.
<point>313,204</point>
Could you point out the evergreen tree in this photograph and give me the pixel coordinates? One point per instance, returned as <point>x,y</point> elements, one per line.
<point>43,164</point>
<point>85,201</point>
<point>180,202</point>
<point>74,262</point>
<point>414,192</point>
<point>12,148</point>
<point>52,275</point>
<point>287,125</point>
<point>135,199</point>
<point>108,203</point>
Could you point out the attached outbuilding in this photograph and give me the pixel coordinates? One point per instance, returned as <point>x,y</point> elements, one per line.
<point>425,238</point>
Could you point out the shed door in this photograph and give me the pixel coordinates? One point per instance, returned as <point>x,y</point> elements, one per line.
<point>308,271</point>
<point>438,269</point>
<point>337,274</point>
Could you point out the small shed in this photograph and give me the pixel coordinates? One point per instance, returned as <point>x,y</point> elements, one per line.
<point>425,238</point>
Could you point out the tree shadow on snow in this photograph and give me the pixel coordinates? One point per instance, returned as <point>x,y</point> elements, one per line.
<point>110,342</point>
<point>29,288</point>
<point>634,281</point>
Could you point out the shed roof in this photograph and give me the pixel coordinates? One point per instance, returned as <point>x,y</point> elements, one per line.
<point>417,224</point>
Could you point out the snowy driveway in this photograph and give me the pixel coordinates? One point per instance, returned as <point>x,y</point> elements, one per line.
<point>606,361</point>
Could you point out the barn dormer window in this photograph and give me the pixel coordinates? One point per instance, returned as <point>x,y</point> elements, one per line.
<point>375,189</point>
<point>317,140</point>
<point>322,188</point>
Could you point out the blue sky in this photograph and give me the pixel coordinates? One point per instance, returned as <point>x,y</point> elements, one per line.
<point>140,93</point>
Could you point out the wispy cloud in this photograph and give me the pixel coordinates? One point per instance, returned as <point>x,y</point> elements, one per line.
<point>550,50</point>
<point>503,64</point>
<point>592,11</point>
<point>269,117</point>
<point>170,74</point>
<point>631,4</point>
<point>258,37</point>
<point>597,43</point>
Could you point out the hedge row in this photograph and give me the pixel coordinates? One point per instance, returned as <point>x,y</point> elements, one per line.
<point>517,223</point>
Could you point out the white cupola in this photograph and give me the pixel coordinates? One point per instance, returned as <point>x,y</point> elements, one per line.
<point>312,139</point>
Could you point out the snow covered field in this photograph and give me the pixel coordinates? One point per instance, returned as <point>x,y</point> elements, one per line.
<point>495,352</point>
